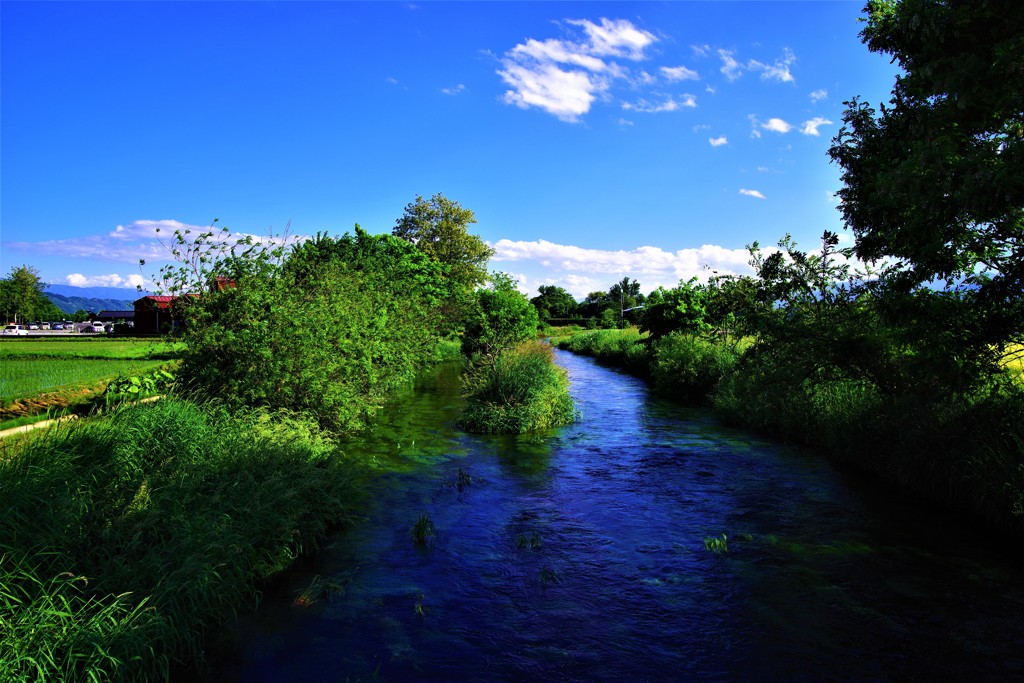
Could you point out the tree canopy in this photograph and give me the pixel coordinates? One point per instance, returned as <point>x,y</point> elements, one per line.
<point>934,181</point>
<point>22,298</point>
<point>440,229</point>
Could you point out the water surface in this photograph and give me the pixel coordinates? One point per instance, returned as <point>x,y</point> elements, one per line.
<point>582,555</point>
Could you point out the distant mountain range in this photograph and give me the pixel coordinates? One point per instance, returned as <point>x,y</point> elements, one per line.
<point>70,299</point>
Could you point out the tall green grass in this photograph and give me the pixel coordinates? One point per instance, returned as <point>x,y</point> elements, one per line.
<point>522,391</point>
<point>619,348</point>
<point>122,540</point>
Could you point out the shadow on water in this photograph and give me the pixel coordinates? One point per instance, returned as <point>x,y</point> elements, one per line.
<point>645,542</point>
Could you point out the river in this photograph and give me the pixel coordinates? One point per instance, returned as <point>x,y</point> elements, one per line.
<point>646,542</point>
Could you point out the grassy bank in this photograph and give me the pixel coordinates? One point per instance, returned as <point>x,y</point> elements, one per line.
<point>123,539</point>
<point>522,391</point>
<point>965,451</point>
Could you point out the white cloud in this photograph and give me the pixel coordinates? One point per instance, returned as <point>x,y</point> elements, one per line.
<point>113,280</point>
<point>564,77</point>
<point>719,141</point>
<point>566,94</point>
<point>730,67</point>
<point>819,95</point>
<point>580,270</point>
<point>679,73</point>
<point>701,50</point>
<point>752,193</point>
<point>454,91</point>
<point>615,38</point>
<point>779,71</point>
<point>625,122</point>
<point>777,125</point>
<point>669,104</point>
<point>811,127</point>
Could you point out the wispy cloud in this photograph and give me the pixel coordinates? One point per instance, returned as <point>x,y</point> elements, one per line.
<point>819,95</point>
<point>670,103</point>
<point>752,193</point>
<point>564,77</point>
<point>679,73</point>
<point>776,71</point>
<point>141,239</point>
<point>719,141</point>
<point>811,127</point>
<point>454,91</point>
<point>731,68</point>
<point>582,270</point>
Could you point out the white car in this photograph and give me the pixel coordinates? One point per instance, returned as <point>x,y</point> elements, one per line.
<point>97,327</point>
<point>15,330</point>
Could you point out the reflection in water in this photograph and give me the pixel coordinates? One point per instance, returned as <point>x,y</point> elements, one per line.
<point>579,555</point>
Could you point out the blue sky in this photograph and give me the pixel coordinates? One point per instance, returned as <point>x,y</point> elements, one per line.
<point>592,140</point>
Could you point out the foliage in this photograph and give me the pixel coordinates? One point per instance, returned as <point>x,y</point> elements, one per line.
<point>625,348</point>
<point>553,302</point>
<point>130,387</point>
<point>688,367</point>
<point>329,326</point>
<point>934,182</point>
<point>521,391</point>
<point>122,540</point>
<point>680,309</point>
<point>22,298</point>
<point>439,228</point>
<point>501,318</point>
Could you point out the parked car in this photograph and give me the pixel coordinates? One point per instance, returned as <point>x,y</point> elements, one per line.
<point>33,326</point>
<point>97,327</point>
<point>44,326</point>
<point>15,330</point>
<point>57,326</point>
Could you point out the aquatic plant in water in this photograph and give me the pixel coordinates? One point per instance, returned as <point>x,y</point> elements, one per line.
<point>717,545</point>
<point>424,533</point>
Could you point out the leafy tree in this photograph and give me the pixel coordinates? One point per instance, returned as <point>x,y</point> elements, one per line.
<point>22,298</point>
<point>626,292</point>
<point>328,327</point>
<point>554,302</point>
<point>934,181</point>
<point>680,309</point>
<point>502,318</point>
<point>439,228</point>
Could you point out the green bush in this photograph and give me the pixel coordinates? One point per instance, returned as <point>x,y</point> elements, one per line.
<point>688,367</point>
<point>522,391</point>
<point>123,539</point>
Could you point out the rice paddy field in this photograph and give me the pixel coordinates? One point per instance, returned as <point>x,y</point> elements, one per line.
<point>39,375</point>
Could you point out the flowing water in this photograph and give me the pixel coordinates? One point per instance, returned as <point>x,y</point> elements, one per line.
<point>646,542</point>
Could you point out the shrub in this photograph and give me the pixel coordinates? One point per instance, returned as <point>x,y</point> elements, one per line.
<point>522,391</point>
<point>688,367</point>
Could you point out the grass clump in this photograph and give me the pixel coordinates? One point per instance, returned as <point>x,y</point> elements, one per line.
<point>521,391</point>
<point>122,540</point>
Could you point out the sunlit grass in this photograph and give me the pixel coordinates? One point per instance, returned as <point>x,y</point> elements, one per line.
<point>1013,360</point>
<point>89,348</point>
<point>27,377</point>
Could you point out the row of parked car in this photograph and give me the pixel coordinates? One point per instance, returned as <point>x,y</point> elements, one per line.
<point>96,327</point>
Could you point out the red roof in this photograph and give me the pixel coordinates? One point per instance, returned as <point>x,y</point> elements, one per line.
<point>156,301</point>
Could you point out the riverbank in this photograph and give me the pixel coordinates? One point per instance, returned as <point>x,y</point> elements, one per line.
<point>123,540</point>
<point>965,452</point>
